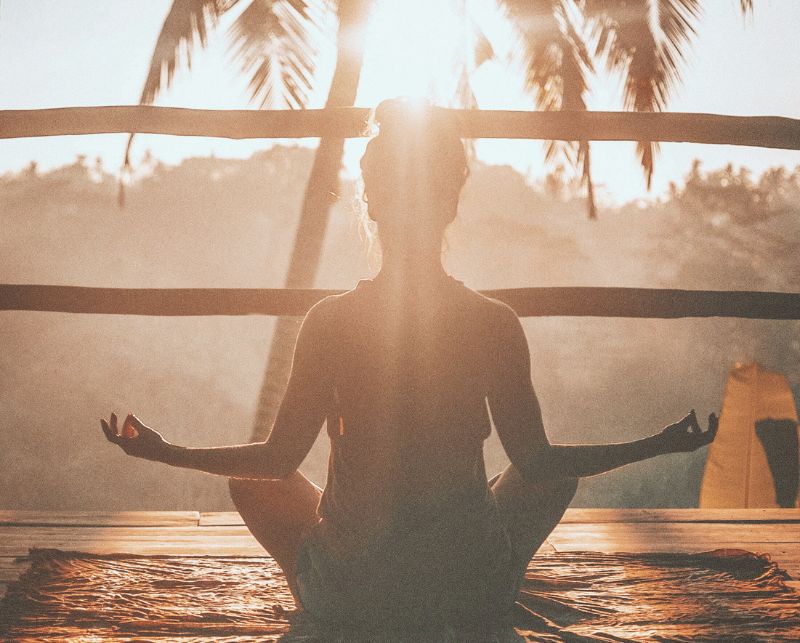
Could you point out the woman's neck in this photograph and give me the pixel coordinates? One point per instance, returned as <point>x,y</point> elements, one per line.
<point>411,270</point>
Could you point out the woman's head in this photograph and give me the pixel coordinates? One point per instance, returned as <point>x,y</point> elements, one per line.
<point>413,172</point>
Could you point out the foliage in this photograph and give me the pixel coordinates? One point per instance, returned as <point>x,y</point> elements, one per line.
<point>560,43</point>
<point>736,196</point>
<point>206,222</point>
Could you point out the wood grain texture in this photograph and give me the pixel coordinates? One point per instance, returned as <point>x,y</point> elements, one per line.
<point>11,568</point>
<point>349,122</point>
<point>578,515</point>
<point>592,516</point>
<point>643,303</point>
<point>99,518</point>
<point>772,531</point>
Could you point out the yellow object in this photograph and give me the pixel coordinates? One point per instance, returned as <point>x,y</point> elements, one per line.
<point>737,473</point>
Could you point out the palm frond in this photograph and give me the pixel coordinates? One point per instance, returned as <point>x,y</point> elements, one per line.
<point>472,50</point>
<point>464,96</point>
<point>555,58</point>
<point>646,41</point>
<point>465,99</point>
<point>272,40</point>
<point>676,21</point>
<point>557,62</point>
<point>188,22</point>
<point>585,159</point>
<point>482,48</point>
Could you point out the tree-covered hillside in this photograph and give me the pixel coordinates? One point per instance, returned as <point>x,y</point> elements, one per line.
<point>215,223</point>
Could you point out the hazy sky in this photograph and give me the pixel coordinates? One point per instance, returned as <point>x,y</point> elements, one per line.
<point>57,53</point>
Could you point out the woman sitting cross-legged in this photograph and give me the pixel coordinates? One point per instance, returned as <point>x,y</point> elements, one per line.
<point>407,369</point>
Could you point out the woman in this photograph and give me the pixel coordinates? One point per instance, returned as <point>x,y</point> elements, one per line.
<point>407,369</point>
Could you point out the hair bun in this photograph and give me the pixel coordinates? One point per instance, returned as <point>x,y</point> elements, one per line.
<point>417,152</point>
<point>401,115</point>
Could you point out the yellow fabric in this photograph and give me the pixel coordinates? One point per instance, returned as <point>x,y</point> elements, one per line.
<point>737,473</point>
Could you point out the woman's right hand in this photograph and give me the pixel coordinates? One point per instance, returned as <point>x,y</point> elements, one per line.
<point>686,435</point>
<point>135,438</point>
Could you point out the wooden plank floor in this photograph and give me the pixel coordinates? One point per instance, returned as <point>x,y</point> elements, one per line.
<point>191,533</point>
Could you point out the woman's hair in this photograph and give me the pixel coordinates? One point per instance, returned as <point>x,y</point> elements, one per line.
<point>416,166</point>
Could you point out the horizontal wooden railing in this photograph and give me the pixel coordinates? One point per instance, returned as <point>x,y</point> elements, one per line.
<point>527,302</point>
<point>758,131</point>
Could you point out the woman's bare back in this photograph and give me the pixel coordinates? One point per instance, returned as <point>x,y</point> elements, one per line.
<point>407,412</point>
<point>407,492</point>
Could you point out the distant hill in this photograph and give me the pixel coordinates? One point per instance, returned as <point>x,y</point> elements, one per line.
<point>215,223</point>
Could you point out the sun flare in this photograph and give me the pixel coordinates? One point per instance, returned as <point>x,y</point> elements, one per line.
<point>409,56</point>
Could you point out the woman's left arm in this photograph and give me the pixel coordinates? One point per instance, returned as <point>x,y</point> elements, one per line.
<point>297,424</point>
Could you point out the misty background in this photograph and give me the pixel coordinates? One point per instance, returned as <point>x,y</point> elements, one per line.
<point>212,222</point>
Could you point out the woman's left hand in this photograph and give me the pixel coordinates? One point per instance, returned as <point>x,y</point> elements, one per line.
<point>686,434</point>
<point>135,438</point>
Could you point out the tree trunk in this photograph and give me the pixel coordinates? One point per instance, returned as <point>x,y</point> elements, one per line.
<point>323,185</point>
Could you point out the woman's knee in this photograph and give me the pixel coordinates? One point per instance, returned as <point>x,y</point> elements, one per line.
<point>235,485</point>
<point>255,497</point>
<point>292,495</point>
<point>557,497</point>
<point>567,489</point>
<point>240,489</point>
<point>559,492</point>
<point>562,488</point>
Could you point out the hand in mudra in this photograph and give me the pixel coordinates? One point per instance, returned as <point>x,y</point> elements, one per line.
<point>134,437</point>
<point>686,434</point>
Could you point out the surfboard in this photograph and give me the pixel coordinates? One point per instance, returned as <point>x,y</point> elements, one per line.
<point>758,415</point>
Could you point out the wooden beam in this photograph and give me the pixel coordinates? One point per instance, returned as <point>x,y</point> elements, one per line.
<point>595,516</point>
<point>527,302</point>
<point>758,131</point>
<point>146,119</point>
<point>37,518</point>
<point>168,302</point>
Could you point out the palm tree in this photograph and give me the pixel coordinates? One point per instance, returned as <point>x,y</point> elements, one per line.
<point>644,40</point>
<point>271,40</point>
<point>560,44</point>
<point>320,195</point>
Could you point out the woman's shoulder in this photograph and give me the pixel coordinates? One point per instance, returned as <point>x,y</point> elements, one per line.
<point>328,309</point>
<point>495,310</point>
<point>365,291</point>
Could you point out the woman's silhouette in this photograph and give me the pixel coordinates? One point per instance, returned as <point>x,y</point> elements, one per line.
<point>409,369</point>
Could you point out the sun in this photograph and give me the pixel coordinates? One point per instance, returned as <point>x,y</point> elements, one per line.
<point>414,49</point>
<point>420,49</point>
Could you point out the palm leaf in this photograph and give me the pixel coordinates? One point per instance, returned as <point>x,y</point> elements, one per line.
<point>557,62</point>
<point>482,48</point>
<point>272,40</point>
<point>266,35</point>
<point>645,40</point>
<point>585,160</point>
<point>473,50</point>
<point>188,22</point>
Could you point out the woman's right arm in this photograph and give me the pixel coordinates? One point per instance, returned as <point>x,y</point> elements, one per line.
<point>518,420</point>
<point>299,420</point>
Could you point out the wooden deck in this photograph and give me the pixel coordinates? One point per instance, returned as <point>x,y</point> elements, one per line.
<point>192,533</point>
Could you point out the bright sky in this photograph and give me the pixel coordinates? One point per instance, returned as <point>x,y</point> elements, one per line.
<point>55,53</point>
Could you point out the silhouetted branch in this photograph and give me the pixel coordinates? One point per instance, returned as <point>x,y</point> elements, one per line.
<point>527,302</point>
<point>756,131</point>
